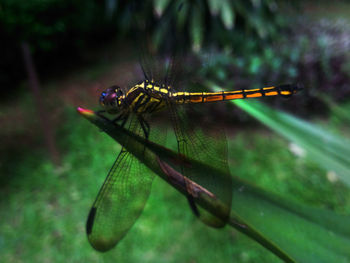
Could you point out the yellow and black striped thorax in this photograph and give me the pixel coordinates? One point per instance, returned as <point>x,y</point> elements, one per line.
<point>146,96</point>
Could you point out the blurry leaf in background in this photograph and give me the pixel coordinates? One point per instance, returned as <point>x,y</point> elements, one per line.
<point>330,151</point>
<point>57,29</point>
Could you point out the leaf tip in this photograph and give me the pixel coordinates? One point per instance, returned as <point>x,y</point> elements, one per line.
<point>85,112</point>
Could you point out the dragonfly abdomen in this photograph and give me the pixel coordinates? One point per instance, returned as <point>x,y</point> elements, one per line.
<point>203,97</point>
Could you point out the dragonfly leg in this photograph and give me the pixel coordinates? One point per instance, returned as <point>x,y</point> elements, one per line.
<point>121,117</point>
<point>193,205</point>
<point>190,199</point>
<point>144,125</point>
<point>125,120</point>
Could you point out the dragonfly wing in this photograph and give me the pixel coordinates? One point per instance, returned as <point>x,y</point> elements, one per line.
<point>121,199</point>
<point>206,147</point>
<point>119,203</point>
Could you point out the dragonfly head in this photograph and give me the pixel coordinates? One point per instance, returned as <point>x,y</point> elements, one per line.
<point>111,98</point>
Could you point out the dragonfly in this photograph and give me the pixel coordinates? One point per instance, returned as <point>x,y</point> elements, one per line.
<point>128,183</point>
<point>162,94</point>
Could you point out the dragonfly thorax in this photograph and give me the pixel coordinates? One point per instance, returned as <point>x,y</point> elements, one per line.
<point>111,99</point>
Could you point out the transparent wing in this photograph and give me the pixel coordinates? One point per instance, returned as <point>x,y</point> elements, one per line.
<point>120,201</point>
<point>200,139</point>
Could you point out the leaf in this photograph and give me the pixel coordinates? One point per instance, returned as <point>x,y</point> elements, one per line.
<point>330,151</point>
<point>214,6</point>
<point>196,29</point>
<point>182,17</point>
<point>305,234</point>
<point>159,6</point>
<point>294,232</point>
<point>227,14</point>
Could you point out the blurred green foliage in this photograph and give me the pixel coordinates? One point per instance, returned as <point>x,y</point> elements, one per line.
<point>222,23</point>
<point>329,150</point>
<point>54,29</point>
<point>43,23</point>
<point>57,30</point>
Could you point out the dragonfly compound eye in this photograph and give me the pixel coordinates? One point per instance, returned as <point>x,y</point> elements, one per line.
<point>110,99</point>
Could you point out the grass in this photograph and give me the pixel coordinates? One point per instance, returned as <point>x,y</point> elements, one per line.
<point>43,209</point>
